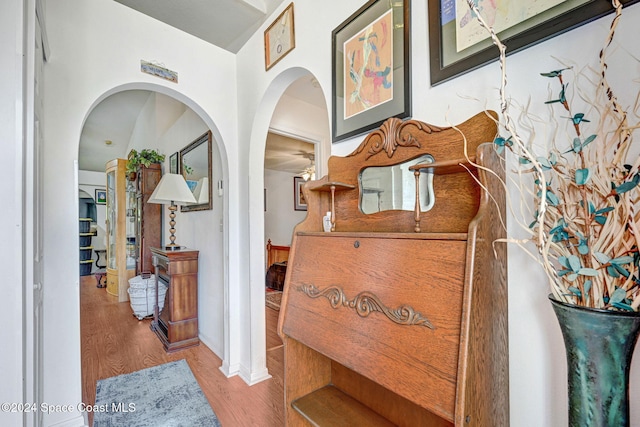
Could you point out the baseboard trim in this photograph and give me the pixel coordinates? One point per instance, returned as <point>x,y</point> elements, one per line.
<point>255,378</point>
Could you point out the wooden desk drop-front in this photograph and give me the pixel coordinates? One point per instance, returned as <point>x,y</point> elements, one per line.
<point>177,324</point>
<point>400,317</point>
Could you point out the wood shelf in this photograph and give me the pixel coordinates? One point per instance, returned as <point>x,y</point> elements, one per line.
<point>331,407</point>
<point>445,167</point>
<point>333,186</point>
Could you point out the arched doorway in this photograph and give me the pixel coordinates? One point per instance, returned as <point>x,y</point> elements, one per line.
<point>293,115</point>
<point>167,121</point>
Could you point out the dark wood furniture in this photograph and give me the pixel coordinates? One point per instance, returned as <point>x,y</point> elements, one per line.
<point>400,317</point>
<point>148,216</point>
<point>275,275</point>
<point>177,323</point>
<point>276,253</point>
<point>277,257</point>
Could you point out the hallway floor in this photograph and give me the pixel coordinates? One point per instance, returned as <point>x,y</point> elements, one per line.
<point>115,342</point>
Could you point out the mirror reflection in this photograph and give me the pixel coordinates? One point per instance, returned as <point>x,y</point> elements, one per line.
<point>384,188</point>
<point>195,166</point>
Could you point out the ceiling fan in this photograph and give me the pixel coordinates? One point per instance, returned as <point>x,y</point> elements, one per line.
<point>309,173</point>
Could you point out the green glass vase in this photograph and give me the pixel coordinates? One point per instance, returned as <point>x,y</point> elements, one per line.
<point>599,345</point>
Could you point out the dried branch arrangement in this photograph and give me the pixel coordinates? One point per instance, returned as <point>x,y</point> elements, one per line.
<point>584,187</point>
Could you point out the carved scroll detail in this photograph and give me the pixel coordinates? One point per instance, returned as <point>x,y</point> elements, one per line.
<point>389,137</point>
<point>366,303</point>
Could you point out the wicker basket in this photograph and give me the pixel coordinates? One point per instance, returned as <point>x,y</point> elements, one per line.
<point>142,296</point>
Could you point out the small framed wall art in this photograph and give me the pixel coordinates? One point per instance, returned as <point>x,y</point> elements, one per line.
<point>101,196</point>
<point>174,162</point>
<point>279,38</point>
<point>371,79</point>
<point>299,202</point>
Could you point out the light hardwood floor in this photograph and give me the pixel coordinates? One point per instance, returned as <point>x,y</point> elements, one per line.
<point>115,342</point>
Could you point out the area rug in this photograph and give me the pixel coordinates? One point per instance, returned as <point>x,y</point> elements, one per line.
<point>164,395</point>
<point>273,299</point>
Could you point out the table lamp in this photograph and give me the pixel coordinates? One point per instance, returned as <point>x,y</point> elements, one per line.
<point>172,190</point>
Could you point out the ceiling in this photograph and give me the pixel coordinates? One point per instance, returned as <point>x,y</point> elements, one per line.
<point>225,23</point>
<point>228,25</point>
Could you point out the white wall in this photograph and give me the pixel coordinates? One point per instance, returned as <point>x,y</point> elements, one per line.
<point>280,216</point>
<point>96,48</point>
<point>201,230</point>
<point>11,358</point>
<point>537,360</point>
<point>88,61</point>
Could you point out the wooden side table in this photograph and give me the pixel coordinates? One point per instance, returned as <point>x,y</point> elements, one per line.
<point>176,324</point>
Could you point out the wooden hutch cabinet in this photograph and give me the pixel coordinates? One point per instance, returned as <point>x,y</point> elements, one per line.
<point>148,216</point>
<point>120,222</point>
<point>399,317</point>
<point>176,324</point>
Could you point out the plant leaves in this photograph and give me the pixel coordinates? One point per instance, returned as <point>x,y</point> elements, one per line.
<point>605,210</point>
<point>544,162</point>
<point>588,272</point>
<point>612,271</point>
<point>578,118</point>
<point>587,286</point>
<point>582,176</point>
<point>622,306</point>
<point>552,199</point>
<point>576,291</point>
<point>577,145</point>
<point>621,270</point>
<point>601,219</point>
<point>618,296</point>
<point>588,140</point>
<point>583,247</point>
<point>626,186</point>
<point>602,258</point>
<point>626,259</point>
<point>574,263</point>
<point>554,73</point>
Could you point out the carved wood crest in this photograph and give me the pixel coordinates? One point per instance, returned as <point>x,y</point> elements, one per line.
<point>366,303</point>
<point>390,136</point>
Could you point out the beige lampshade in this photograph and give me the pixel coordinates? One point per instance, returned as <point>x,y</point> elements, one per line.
<point>172,189</point>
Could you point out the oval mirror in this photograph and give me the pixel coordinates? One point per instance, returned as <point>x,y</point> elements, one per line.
<point>385,188</point>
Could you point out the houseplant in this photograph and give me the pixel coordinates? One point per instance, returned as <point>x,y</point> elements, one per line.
<point>579,186</point>
<point>144,157</point>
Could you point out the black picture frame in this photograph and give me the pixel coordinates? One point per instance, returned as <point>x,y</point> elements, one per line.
<point>299,203</point>
<point>447,64</point>
<point>349,125</point>
<point>101,196</point>
<point>174,162</point>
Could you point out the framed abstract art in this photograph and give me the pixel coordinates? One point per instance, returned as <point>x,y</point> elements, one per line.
<point>371,70</point>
